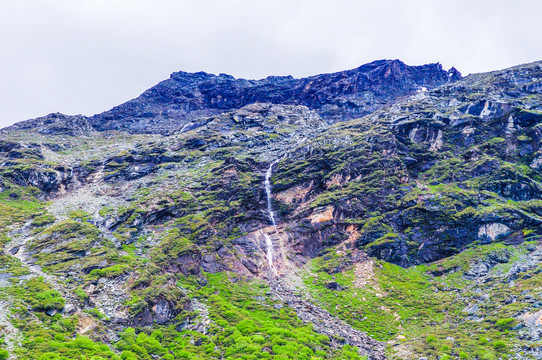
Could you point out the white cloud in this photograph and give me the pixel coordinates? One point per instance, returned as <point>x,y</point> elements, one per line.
<point>86,56</point>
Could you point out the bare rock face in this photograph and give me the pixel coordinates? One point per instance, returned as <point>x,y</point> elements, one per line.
<point>536,164</point>
<point>491,232</point>
<point>188,263</point>
<point>534,319</point>
<point>160,312</point>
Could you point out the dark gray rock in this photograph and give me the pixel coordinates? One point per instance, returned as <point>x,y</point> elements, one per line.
<point>334,286</point>
<point>70,309</point>
<point>472,309</point>
<point>499,256</point>
<point>163,311</point>
<point>478,270</point>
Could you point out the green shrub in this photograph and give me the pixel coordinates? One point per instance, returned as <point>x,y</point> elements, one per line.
<point>430,339</point>
<point>463,355</point>
<point>505,324</point>
<point>43,220</point>
<point>128,355</point>
<point>4,354</point>
<point>246,327</point>
<point>488,356</point>
<point>111,271</point>
<point>499,345</point>
<point>81,294</point>
<point>80,214</point>
<point>258,339</point>
<point>41,297</point>
<point>96,312</point>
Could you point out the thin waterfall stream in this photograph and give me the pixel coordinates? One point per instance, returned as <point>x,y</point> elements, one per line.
<point>268,241</point>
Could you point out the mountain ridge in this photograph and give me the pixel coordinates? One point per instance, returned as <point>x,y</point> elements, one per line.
<point>189,97</point>
<point>199,93</point>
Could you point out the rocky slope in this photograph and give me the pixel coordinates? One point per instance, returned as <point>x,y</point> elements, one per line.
<point>338,216</point>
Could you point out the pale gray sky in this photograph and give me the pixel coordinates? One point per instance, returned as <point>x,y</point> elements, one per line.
<point>86,56</point>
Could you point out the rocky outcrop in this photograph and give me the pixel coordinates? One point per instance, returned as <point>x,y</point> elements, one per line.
<point>188,263</point>
<point>493,231</point>
<point>160,312</point>
<point>49,180</point>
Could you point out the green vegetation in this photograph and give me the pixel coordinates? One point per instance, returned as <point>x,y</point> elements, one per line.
<point>39,295</point>
<point>395,302</point>
<point>244,327</point>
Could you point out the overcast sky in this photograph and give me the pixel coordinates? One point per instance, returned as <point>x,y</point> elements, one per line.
<point>86,56</point>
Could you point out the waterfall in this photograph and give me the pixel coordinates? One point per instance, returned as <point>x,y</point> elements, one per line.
<point>268,193</point>
<point>269,244</point>
<point>268,241</point>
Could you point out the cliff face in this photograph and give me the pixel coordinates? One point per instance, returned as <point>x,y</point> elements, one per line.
<point>394,197</point>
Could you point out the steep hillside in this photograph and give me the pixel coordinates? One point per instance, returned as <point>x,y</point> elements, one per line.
<point>221,218</point>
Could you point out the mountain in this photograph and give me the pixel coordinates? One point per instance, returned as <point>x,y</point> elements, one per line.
<point>387,211</point>
<point>179,103</point>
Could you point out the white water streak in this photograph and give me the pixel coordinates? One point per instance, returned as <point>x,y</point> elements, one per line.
<point>269,245</point>
<point>268,241</point>
<point>268,192</point>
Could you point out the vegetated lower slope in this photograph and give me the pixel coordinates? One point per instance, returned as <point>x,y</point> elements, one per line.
<point>418,224</point>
